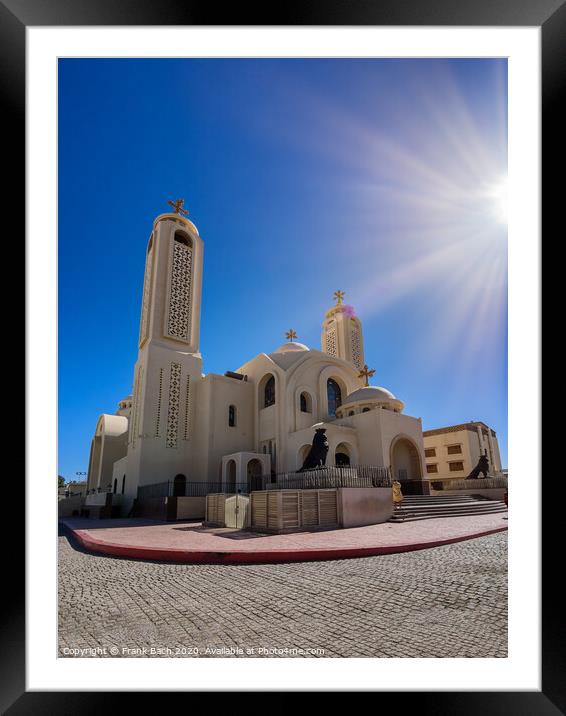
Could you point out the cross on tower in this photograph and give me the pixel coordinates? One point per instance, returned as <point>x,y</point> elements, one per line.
<point>178,206</point>
<point>366,373</point>
<point>290,335</point>
<point>339,297</point>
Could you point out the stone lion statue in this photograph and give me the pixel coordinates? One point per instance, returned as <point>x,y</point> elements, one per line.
<point>481,468</point>
<point>316,456</point>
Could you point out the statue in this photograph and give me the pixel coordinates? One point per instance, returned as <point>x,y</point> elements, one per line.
<point>397,493</point>
<point>316,456</point>
<point>482,467</point>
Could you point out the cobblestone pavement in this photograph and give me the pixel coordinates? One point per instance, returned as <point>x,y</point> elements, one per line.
<point>443,602</point>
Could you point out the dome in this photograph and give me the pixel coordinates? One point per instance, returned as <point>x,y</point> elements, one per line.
<point>291,348</point>
<point>369,393</point>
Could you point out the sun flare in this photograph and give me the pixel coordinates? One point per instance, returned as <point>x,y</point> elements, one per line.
<point>498,196</point>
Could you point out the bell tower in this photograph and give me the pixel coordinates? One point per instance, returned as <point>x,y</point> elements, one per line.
<point>169,364</point>
<point>342,333</point>
<point>171,298</point>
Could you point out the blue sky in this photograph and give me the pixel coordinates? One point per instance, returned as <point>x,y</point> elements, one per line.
<point>383,178</point>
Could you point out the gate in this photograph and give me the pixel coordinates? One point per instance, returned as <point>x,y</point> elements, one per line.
<point>235,511</point>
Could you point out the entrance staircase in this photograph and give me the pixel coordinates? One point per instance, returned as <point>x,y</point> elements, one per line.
<point>426,507</point>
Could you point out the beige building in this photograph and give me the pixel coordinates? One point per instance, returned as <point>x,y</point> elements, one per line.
<point>182,425</point>
<point>454,451</point>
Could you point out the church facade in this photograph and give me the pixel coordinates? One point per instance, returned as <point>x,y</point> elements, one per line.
<point>180,424</point>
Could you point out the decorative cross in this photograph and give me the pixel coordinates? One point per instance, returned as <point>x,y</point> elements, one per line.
<point>178,206</point>
<point>290,335</point>
<point>339,297</point>
<point>366,373</point>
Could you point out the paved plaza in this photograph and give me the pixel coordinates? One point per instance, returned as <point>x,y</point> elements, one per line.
<point>443,602</point>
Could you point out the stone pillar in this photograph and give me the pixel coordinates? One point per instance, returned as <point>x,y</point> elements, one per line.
<point>480,438</point>
<point>493,456</point>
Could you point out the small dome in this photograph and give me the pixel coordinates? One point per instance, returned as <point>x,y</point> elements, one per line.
<point>291,348</point>
<point>111,425</point>
<point>369,393</point>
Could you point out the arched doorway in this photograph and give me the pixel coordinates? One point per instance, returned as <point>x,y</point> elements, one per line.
<point>231,477</point>
<point>405,461</point>
<point>302,455</point>
<point>342,455</point>
<point>254,471</point>
<point>179,485</point>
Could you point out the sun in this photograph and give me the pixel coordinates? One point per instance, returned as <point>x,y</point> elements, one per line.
<point>498,196</point>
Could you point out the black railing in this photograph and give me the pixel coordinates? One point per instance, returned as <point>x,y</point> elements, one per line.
<point>468,484</point>
<point>189,489</point>
<point>320,478</point>
<point>98,490</point>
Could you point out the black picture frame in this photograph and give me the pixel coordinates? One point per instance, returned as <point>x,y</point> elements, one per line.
<point>550,16</point>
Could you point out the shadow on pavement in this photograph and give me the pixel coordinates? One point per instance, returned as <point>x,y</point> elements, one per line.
<point>223,532</point>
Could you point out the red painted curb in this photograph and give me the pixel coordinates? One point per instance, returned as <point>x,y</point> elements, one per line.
<point>163,554</point>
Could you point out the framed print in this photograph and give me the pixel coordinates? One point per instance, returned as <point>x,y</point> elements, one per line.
<point>248,506</point>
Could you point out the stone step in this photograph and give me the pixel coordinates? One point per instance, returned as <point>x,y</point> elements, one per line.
<point>473,511</point>
<point>441,502</point>
<point>419,514</point>
<point>409,517</point>
<point>421,508</point>
<point>454,505</point>
<point>442,498</point>
<point>462,500</point>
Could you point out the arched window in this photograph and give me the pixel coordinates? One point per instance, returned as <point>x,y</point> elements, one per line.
<point>342,459</point>
<point>254,471</point>
<point>351,413</point>
<point>231,477</point>
<point>306,403</point>
<point>342,455</point>
<point>182,238</point>
<point>366,410</point>
<point>269,393</point>
<point>123,484</point>
<point>232,416</point>
<point>334,396</point>
<point>115,485</point>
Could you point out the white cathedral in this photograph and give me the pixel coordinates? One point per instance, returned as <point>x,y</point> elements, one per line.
<point>181,425</point>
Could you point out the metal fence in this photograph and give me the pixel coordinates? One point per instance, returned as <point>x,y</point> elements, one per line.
<point>98,490</point>
<point>188,489</point>
<point>319,478</point>
<point>467,484</point>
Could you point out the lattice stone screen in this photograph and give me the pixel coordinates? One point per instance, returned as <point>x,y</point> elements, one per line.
<point>179,313</point>
<point>356,346</point>
<point>331,342</point>
<point>173,412</point>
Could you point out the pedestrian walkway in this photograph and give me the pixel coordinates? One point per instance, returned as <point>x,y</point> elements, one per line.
<point>192,542</point>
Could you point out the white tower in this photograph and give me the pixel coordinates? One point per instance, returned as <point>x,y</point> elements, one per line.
<point>169,365</point>
<point>342,333</point>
